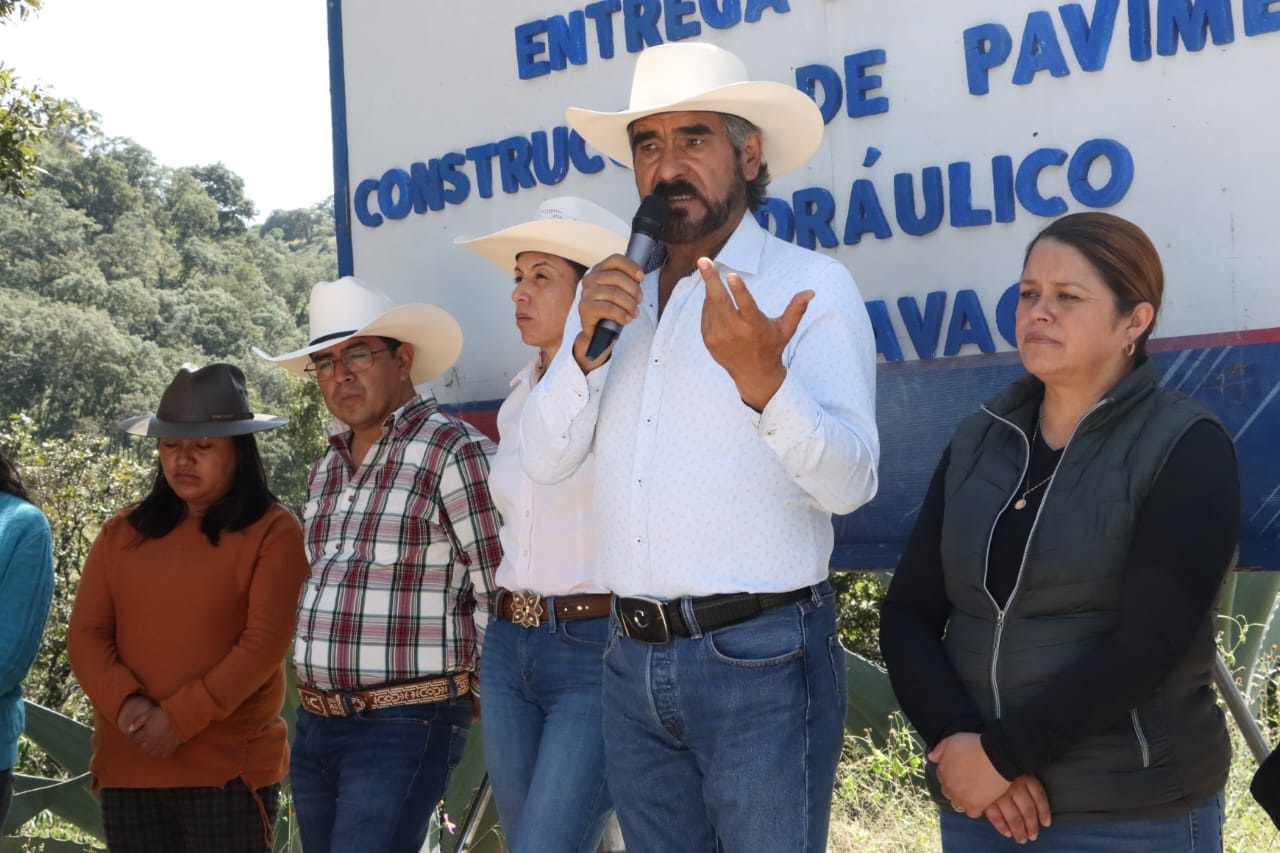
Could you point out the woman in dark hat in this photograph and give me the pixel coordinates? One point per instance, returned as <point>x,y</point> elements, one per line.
<point>180,627</point>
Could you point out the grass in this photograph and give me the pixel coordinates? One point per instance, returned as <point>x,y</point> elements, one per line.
<point>880,805</point>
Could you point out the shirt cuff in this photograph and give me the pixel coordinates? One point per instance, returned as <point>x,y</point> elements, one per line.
<point>788,419</point>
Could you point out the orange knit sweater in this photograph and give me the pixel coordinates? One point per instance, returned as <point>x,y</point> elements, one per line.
<point>202,630</point>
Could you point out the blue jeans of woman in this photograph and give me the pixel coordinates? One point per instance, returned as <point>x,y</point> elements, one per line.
<point>1198,830</point>
<point>542,741</point>
<point>728,738</point>
<point>370,781</point>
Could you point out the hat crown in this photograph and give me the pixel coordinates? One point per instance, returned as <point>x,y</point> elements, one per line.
<point>670,73</point>
<point>209,394</point>
<point>340,307</point>
<point>574,209</point>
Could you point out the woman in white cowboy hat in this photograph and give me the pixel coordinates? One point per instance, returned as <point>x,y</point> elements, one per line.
<point>542,653</point>
<point>180,627</point>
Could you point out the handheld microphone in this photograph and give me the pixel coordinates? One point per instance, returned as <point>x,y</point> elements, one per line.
<point>645,229</point>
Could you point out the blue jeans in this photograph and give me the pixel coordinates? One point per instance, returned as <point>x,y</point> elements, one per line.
<point>370,782</point>
<point>731,737</point>
<point>1196,831</point>
<point>542,741</point>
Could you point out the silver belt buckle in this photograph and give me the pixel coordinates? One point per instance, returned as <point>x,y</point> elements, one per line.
<point>644,619</point>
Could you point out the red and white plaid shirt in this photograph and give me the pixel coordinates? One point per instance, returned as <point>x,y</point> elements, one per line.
<point>403,551</point>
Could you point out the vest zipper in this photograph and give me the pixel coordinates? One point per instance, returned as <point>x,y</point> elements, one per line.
<point>1142,738</point>
<point>986,563</point>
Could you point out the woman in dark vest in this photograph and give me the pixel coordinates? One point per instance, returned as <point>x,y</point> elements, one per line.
<point>1049,628</point>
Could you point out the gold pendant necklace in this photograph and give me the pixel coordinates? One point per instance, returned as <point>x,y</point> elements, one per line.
<point>1021,503</point>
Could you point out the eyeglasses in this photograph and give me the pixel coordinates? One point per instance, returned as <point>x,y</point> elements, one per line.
<point>355,361</point>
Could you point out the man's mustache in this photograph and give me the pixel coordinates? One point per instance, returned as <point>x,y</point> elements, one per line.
<point>669,190</point>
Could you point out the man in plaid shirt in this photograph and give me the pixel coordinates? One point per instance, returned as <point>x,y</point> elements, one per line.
<point>403,541</point>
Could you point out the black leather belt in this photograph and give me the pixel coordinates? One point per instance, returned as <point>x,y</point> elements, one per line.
<point>654,621</point>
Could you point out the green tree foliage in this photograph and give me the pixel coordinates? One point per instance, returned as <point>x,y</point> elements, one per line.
<point>226,188</point>
<point>115,270</point>
<point>27,113</point>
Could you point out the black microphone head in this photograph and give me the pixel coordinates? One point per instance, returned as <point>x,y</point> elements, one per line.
<point>650,216</point>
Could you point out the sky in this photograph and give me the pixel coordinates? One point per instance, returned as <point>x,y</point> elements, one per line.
<point>244,82</point>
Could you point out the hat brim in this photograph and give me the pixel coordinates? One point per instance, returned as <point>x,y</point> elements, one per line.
<point>435,335</point>
<point>790,121</point>
<point>152,427</point>
<point>571,239</point>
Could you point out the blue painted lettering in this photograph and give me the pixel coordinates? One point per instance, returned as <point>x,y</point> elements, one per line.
<point>1139,30</point>
<point>360,201</point>
<point>968,325</point>
<point>1192,20</point>
<point>567,40</point>
<point>602,13</point>
<point>1007,314</point>
<point>1002,183</point>
<point>963,213</point>
<point>1260,18</point>
<point>777,211</point>
<point>926,330</point>
<point>529,48</point>
<point>866,216</point>
<point>515,158</point>
<point>861,83</point>
<point>677,27</point>
<point>904,201</point>
<point>1090,39</point>
<point>1110,193</point>
<point>393,194</point>
<point>551,44</point>
<point>814,209</point>
<point>986,46</point>
<point>640,24</point>
<point>550,163</point>
<point>755,8</point>
<point>424,186</point>
<point>1027,183</point>
<point>721,14</point>
<point>886,339</point>
<point>482,156</point>
<point>809,78</point>
<point>1040,50</point>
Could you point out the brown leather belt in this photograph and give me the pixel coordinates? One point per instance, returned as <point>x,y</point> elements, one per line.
<point>344,703</point>
<point>527,609</point>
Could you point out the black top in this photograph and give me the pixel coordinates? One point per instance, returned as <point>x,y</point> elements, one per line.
<point>1184,536</point>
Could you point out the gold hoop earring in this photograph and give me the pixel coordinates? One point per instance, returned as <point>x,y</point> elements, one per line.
<point>1130,349</point>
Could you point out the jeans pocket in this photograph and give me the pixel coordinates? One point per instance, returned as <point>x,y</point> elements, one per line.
<point>839,672</point>
<point>402,715</point>
<point>584,633</point>
<point>457,744</point>
<point>771,639</point>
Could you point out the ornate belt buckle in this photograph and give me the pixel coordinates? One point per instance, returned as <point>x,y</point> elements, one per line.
<point>643,619</point>
<point>526,609</point>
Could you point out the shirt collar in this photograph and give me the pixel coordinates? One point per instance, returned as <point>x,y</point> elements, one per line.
<point>527,375</point>
<point>744,251</point>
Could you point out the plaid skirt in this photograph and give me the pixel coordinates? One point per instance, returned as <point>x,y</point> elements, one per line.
<point>231,819</point>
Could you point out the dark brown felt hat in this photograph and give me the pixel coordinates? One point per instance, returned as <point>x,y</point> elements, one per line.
<point>209,402</point>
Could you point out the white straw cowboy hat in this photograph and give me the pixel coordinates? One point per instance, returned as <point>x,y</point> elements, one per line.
<point>700,77</point>
<point>569,227</point>
<point>206,402</point>
<point>349,308</point>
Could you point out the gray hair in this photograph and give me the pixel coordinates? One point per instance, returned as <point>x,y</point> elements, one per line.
<point>738,129</point>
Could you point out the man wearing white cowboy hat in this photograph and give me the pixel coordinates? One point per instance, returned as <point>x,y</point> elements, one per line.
<point>403,540</point>
<point>732,417</point>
